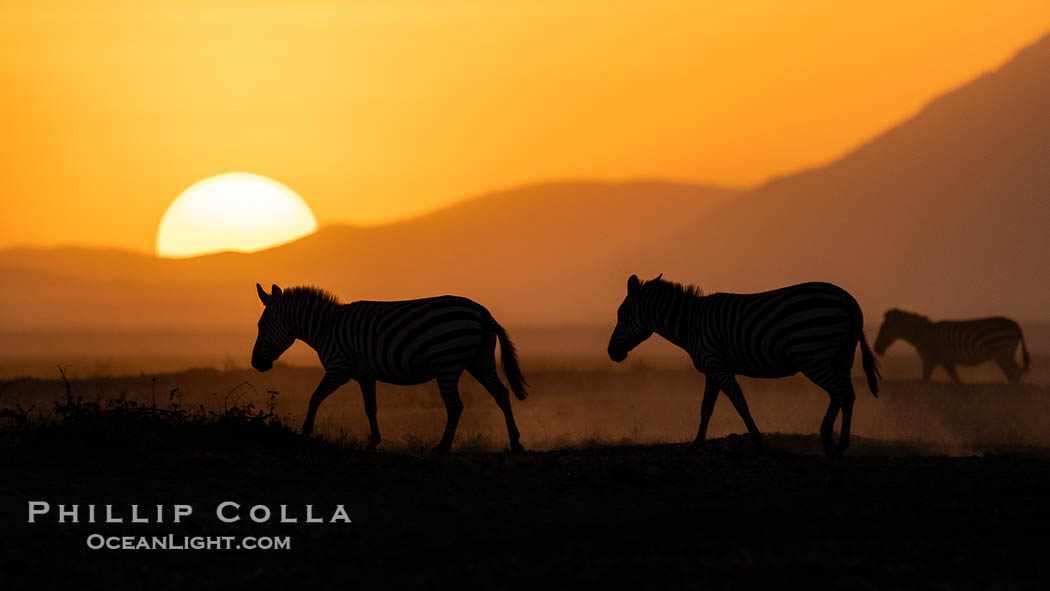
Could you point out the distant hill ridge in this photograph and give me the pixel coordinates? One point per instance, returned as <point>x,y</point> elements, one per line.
<point>481,246</point>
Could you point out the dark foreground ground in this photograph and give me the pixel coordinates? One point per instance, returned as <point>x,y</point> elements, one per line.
<point>639,516</point>
<point>946,486</point>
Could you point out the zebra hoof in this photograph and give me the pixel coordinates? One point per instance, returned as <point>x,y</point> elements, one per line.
<point>374,443</point>
<point>515,448</point>
<point>829,447</point>
<point>442,449</point>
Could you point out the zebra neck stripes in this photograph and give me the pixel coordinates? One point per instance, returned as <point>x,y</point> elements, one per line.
<point>673,314</point>
<point>312,319</point>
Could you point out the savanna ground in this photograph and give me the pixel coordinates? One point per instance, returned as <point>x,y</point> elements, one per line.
<point>945,485</point>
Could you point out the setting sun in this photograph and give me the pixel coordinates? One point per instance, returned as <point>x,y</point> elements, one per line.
<point>234,211</point>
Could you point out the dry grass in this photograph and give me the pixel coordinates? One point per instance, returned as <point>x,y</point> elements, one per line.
<point>602,403</point>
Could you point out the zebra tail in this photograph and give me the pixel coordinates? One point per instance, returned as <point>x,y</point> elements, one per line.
<point>871,366</point>
<point>1027,359</point>
<point>510,362</point>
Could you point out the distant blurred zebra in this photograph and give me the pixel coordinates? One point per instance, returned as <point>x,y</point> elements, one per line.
<point>811,327</point>
<point>403,342</point>
<point>965,342</point>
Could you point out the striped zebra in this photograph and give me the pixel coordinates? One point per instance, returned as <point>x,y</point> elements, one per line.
<point>811,328</point>
<point>404,342</point>
<point>963,342</point>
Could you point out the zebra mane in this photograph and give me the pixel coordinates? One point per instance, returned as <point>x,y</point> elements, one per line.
<point>311,293</point>
<point>675,288</point>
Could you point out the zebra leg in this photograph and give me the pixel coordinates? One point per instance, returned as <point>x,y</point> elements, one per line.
<point>1010,367</point>
<point>827,426</point>
<point>368,394</point>
<point>449,386</point>
<point>839,386</point>
<point>836,384</point>
<point>954,375</point>
<point>329,383</point>
<point>499,392</point>
<point>846,396</point>
<point>927,369</point>
<point>727,383</point>
<point>706,408</point>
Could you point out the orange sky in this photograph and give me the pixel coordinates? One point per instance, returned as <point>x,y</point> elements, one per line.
<point>374,110</point>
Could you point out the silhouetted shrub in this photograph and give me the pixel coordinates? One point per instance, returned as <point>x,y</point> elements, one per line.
<point>120,425</point>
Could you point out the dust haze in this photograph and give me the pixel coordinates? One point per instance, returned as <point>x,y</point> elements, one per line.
<point>580,398</point>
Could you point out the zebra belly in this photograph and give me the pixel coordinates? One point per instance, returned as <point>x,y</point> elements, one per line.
<point>418,369</point>
<point>778,362</point>
<point>767,373</point>
<point>780,368</point>
<point>404,380</point>
<point>971,359</point>
<point>408,373</point>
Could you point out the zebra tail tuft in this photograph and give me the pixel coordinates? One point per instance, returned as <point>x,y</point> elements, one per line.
<point>1025,357</point>
<point>510,363</point>
<point>871,366</point>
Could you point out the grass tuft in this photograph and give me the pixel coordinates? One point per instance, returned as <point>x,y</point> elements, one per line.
<point>132,427</point>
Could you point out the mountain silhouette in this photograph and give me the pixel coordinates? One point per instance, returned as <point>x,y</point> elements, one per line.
<point>947,212</point>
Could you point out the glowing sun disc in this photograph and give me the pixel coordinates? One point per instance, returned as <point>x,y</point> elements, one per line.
<point>236,211</point>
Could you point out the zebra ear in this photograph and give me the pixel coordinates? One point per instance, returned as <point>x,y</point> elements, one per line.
<point>659,277</point>
<point>263,296</point>
<point>275,291</point>
<point>633,284</point>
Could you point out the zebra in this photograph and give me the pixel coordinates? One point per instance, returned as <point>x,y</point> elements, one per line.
<point>400,342</point>
<point>963,342</point>
<point>813,328</point>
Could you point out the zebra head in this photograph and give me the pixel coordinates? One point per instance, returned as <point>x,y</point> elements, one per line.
<point>275,335</point>
<point>632,326</point>
<point>899,324</point>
